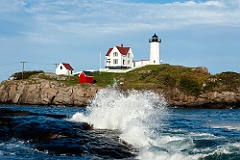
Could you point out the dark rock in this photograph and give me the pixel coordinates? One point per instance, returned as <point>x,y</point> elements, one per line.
<point>47,132</point>
<point>6,113</point>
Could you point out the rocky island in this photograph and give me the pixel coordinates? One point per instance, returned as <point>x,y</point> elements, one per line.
<point>181,86</point>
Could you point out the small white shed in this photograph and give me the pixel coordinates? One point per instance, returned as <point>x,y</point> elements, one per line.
<point>64,69</point>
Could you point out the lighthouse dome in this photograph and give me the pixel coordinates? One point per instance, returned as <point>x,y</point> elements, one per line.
<point>154,38</point>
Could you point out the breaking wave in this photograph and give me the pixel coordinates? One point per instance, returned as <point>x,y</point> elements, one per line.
<point>134,113</point>
<point>144,121</point>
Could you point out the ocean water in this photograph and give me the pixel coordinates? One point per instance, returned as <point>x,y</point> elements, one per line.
<point>133,125</point>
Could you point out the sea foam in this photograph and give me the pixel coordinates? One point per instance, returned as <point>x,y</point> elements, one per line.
<point>133,113</point>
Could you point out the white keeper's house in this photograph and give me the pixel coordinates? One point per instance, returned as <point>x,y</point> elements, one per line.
<point>120,58</point>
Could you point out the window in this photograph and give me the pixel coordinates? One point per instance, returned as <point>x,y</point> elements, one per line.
<point>115,61</point>
<point>61,67</point>
<point>115,54</point>
<point>128,61</point>
<point>128,55</point>
<point>123,62</point>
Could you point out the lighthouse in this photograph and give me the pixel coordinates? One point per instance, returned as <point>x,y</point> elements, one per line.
<point>154,50</point>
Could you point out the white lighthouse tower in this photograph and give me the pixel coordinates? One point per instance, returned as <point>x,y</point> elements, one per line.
<point>154,50</point>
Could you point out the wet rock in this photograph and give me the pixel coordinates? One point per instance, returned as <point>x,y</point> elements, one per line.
<point>56,135</point>
<point>6,113</point>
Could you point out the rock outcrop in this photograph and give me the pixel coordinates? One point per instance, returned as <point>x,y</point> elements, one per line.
<point>38,91</point>
<point>210,99</point>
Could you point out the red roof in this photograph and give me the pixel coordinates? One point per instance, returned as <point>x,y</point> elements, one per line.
<point>67,66</point>
<point>109,51</point>
<point>87,73</point>
<point>121,49</point>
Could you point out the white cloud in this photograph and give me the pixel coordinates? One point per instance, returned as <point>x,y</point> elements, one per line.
<point>113,16</point>
<point>77,17</point>
<point>121,13</point>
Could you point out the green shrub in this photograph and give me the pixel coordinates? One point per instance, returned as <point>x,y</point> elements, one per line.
<point>189,86</point>
<point>25,74</point>
<point>169,81</point>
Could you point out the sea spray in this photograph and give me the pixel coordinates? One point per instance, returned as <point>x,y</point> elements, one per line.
<point>137,115</point>
<point>131,112</point>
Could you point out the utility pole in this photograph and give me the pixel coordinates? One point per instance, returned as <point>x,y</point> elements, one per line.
<point>23,62</point>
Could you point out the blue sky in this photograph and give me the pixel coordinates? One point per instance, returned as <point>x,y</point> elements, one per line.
<point>45,32</point>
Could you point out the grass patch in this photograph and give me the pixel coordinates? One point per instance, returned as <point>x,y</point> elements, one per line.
<point>163,76</point>
<point>225,81</point>
<point>105,78</point>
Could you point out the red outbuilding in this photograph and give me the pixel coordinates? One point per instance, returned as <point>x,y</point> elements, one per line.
<point>86,77</point>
